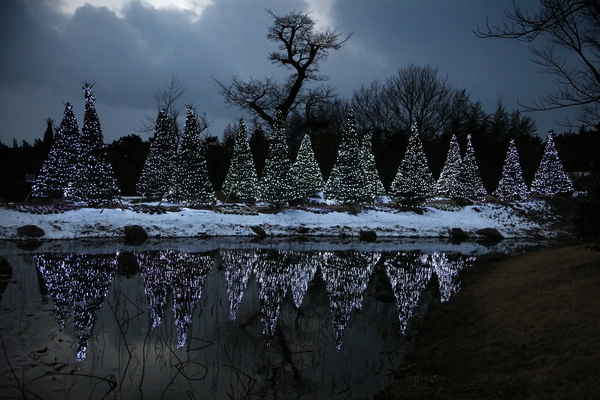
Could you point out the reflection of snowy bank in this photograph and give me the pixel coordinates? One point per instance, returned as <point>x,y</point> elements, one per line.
<point>104,246</point>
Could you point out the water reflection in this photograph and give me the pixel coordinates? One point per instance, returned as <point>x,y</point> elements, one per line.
<point>264,323</point>
<point>77,285</point>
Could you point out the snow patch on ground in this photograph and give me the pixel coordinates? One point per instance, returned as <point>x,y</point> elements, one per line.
<point>519,220</point>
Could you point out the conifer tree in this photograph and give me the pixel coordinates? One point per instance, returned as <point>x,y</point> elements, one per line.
<point>191,186</point>
<point>159,167</point>
<point>276,184</point>
<point>374,187</point>
<point>306,171</point>
<point>347,181</point>
<point>58,170</point>
<point>470,177</point>
<point>449,184</point>
<point>414,179</point>
<point>511,185</point>
<point>241,179</point>
<point>550,177</point>
<point>94,183</point>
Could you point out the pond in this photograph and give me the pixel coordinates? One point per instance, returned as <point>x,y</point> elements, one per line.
<point>221,318</point>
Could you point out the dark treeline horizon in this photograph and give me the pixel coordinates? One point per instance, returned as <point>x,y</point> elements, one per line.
<point>490,133</point>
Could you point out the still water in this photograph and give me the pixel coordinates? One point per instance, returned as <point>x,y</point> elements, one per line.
<point>226,319</point>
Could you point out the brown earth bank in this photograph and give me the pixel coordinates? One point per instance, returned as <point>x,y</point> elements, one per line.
<point>522,327</point>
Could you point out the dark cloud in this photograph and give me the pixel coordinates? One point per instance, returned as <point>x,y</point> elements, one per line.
<point>46,56</point>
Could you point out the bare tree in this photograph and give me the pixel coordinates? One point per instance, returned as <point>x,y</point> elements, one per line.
<point>568,37</point>
<point>301,49</point>
<point>415,95</point>
<point>165,100</point>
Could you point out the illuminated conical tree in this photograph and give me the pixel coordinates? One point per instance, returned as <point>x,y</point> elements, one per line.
<point>58,170</point>
<point>449,184</point>
<point>94,183</point>
<point>470,177</point>
<point>374,186</point>
<point>241,179</point>
<point>511,185</point>
<point>191,186</point>
<point>550,177</point>
<point>159,167</point>
<point>306,171</point>
<point>347,182</point>
<point>276,184</point>
<point>414,179</point>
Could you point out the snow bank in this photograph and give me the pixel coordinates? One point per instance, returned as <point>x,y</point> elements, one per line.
<point>521,220</point>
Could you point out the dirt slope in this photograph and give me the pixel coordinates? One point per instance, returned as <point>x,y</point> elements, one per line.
<point>523,327</point>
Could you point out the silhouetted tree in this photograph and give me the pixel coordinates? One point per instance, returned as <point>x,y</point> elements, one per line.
<point>568,49</point>
<point>300,49</point>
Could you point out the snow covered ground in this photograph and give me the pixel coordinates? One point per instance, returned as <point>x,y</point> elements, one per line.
<point>519,220</point>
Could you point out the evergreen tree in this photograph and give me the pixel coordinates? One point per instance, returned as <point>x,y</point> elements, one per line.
<point>191,186</point>
<point>470,177</point>
<point>276,184</point>
<point>347,181</point>
<point>374,186</point>
<point>58,170</point>
<point>550,177</point>
<point>306,171</point>
<point>414,179</point>
<point>159,167</point>
<point>449,184</point>
<point>511,185</point>
<point>241,178</point>
<point>94,183</point>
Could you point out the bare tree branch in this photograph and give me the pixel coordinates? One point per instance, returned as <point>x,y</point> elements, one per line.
<point>301,49</point>
<point>569,32</point>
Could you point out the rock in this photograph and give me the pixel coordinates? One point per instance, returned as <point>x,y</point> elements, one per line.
<point>303,230</point>
<point>367,236</point>
<point>260,232</point>
<point>135,235</point>
<point>458,234</point>
<point>30,231</point>
<point>490,234</point>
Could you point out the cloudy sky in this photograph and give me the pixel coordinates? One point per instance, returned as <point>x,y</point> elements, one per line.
<point>130,49</point>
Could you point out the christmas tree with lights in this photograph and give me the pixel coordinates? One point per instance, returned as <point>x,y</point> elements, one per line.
<point>94,183</point>
<point>241,179</point>
<point>449,184</point>
<point>550,177</point>
<point>470,177</point>
<point>276,184</point>
<point>347,182</point>
<point>306,171</point>
<point>159,168</point>
<point>59,168</point>
<point>414,179</point>
<point>191,186</point>
<point>374,186</point>
<point>512,185</point>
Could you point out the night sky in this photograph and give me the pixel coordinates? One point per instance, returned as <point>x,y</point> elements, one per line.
<point>130,49</point>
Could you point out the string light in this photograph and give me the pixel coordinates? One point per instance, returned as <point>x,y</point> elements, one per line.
<point>276,183</point>
<point>241,179</point>
<point>414,179</point>
<point>347,182</point>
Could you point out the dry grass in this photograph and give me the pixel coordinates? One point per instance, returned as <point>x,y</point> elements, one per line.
<point>524,327</point>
